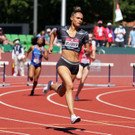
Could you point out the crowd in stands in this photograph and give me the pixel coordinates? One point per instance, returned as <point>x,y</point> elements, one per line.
<point>104,37</point>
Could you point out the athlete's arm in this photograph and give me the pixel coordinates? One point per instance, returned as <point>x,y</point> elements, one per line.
<point>27,53</point>
<point>93,54</point>
<point>45,54</point>
<point>52,37</point>
<point>87,49</point>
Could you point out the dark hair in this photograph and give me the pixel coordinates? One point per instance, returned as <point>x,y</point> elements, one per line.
<point>34,41</point>
<point>76,10</point>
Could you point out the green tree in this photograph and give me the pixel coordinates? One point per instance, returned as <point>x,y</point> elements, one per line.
<point>49,11</point>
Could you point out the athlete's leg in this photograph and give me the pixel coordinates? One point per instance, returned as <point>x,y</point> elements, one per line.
<point>36,76</point>
<point>84,76</point>
<point>79,74</point>
<point>66,87</point>
<point>31,72</point>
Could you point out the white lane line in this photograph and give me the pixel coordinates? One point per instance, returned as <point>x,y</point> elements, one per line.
<point>84,110</point>
<point>110,104</point>
<point>38,111</point>
<point>58,115</point>
<point>49,125</point>
<point>97,122</point>
<point>16,133</point>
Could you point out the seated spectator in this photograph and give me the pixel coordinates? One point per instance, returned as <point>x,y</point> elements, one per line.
<point>3,38</point>
<point>18,57</point>
<point>48,34</point>
<point>131,40</point>
<point>99,33</point>
<point>109,35</point>
<point>120,33</point>
<point>42,34</point>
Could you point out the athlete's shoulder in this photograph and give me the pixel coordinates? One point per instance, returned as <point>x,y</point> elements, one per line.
<point>81,31</point>
<point>64,28</point>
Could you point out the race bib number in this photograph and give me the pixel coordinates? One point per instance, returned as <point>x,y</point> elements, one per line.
<point>85,61</point>
<point>109,35</point>
<point>100,34</point>
<point>72,43</point>
<point>36,60</point>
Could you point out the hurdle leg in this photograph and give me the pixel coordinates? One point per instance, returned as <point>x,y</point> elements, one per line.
<point>4,75</point>
<point>56,77</point>
<point>109,74</point>
<point>133,75</point>
<point>28,74</point>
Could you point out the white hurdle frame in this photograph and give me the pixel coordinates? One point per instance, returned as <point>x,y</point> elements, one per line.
<point>92,64</point>
<point>4,63</point>
<point>109,65</point>
<point>42,63</point>
<point>133,65</point>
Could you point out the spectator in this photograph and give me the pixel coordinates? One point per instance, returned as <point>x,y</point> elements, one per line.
<point>3,38</point>
<point>48,34</point>
<point>42,34</point>
<point>18,57</point>
<point>120,33</point>
<point>1,51</point>
<point>109,34</point>
<point>99,32</point>
<point>131,40</point>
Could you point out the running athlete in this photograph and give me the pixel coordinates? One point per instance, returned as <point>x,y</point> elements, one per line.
<point>38,51</point>
<point>72,38</point>
<point>84,65</point>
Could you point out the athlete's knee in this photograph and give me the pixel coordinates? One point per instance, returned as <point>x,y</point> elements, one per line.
<point>70,86</point>
<point>79,76</point>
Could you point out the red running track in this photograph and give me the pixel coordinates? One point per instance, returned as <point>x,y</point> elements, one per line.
<point>104,110</point>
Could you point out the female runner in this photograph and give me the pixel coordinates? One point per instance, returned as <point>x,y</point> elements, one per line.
<point>38,51</point>
<point>68,65</point>
<point>84,65</point>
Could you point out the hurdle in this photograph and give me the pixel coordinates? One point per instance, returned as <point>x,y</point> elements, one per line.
<point>42,63</point>
<point>133,65</point>
<point>109,65</point>
<point>3,65</point>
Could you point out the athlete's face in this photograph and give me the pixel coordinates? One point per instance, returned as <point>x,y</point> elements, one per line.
<point>90,38</point>
<point>40,41</point>
<point>77,19</point>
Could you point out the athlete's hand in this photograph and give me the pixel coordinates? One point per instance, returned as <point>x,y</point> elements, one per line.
<point>87,51</point>
<point>50,49</point>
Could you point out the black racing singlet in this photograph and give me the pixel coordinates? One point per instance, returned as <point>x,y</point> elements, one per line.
<point>69,43</point>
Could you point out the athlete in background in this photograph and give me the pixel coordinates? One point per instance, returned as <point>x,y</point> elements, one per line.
<point>84,65</point>
<point>38,51</point>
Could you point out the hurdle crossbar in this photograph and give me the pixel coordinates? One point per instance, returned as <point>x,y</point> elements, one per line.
<point>3,65</point>
<point>133,65</point>
<point>42,63</point>
<point>109,65</point>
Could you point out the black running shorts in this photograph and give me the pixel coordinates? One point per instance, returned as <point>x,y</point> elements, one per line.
<point>72,66</point>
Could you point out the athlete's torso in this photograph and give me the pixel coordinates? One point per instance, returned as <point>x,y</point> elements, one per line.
<point>72,43</point>
<point>83,58</point>
<point>36,55</point>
